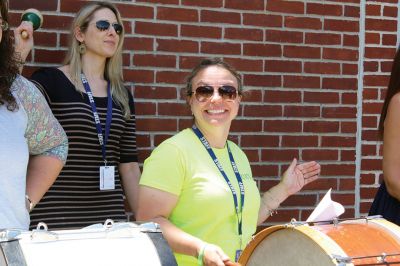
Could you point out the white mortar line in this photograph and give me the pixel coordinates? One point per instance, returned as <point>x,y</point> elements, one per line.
<point>359,108</point>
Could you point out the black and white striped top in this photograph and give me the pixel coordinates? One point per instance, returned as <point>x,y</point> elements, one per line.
<point>75,200</point>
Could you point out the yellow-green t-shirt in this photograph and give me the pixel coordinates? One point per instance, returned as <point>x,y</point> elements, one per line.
<point>205,209</point>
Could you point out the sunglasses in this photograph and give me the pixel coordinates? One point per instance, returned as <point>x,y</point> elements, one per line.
<point>103,25</point>
<point>204,93</point>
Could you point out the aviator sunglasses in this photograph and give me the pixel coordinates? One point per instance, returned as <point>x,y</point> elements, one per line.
<point>103,25</point>
<point>204,93</point>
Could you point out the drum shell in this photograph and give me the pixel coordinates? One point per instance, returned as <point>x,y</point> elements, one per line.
<point>127,246</point>
<point>322,244</point>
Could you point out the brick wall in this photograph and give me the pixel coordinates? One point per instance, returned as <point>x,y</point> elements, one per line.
<point>314,92</point>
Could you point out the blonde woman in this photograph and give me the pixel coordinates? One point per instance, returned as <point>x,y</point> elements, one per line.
<point>89,99</point>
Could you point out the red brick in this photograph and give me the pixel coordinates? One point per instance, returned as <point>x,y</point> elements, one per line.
<point>282,125</point>
<point>242,64</point>
<point>302,52</point>
<point>274,96</point>
<point>253,49</point>
<point>49,56</point>
<point>301,111</point>
<point>376,80</point>
<point>204,3</point>
<point>370,121</point>
<point>201,31</point>
<point>349,98</point>
<point>389,39</point>
<point>140,76</point>
<point>177,46</point>
<point>340,54</point>
<point>321,126</point>
<point>159,138</point>
<point>220,48</point>
<point>380,24</point>
<point>347,184</point>
<point>386,66</point>
<point>173,109</point>
<point>158,29</point>
<point>348,155</point>
<point>338,169</point>
<point>371,66</point>
<point>300,200</point>
<point>303,23</point>
<point>390,11</point>
<point>143,139</point>
<point>380,53</point>
<point>370,135</point>
<point>301,82</point>
<point>262,111</point>
<point>146,92</point>
<point>262,80</point>
<point>339,112</point>
<point>284,36</point>
<point>352,11</point>
<point>263,20</point>
<point>259,141</point>
<point>154,60</point>
<point>324,9</point>
<point>138,44</point>
<point>283,66</point>
<point>321,68</point>
<point>244,34</point>
<point>320,155</point>
<point>252,96</point>
<point>349,69</point>
<point>245,5</point>
<point>171,2</point>
<point>350,40</point>
<point>299,141</point>
<point>158,124</point>
<point>348,127</point>
<point>129,10</point>
<point>323,38</point>
<point>50,5</point>
<point>341,25</point>
<point>368,150</point>
<point>372,108</point>
<point>338,141</point>
<point>246,125</point>
<point>321,97</point>
<point>372,38</point>
<point>145,108</point>
<point>177,14</point>
<point>173,77</point>
<point>279,155</point>
<point>279,6</point>
<point>373,10</point>
<point>340,83</point>
<point>220,17</point>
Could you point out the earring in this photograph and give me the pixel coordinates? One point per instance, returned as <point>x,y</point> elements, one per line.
<point>82,48</point>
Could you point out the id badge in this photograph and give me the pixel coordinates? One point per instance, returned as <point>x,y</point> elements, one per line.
<point>238,253</point>
<point>107,177</point>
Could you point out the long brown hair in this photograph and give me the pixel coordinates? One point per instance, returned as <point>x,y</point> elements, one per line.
<point>392,89</point>
<point>9,63</point>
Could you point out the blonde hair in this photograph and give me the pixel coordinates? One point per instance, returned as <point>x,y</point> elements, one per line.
<point>113,68</point>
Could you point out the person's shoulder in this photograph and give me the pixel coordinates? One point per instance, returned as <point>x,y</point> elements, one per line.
<point>394,104</point>
<point>50,72</point>
<point>179,141</point>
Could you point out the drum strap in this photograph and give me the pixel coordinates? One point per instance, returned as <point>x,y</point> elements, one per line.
<point>13,253</point>
<point>163,250</point>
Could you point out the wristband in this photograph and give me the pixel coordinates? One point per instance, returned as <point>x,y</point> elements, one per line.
<point>28,203</point>
<point>201,255</point>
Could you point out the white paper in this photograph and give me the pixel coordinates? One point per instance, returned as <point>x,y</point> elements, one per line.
<point>326,210</point>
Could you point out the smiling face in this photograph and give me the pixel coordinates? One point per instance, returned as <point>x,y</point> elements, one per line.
<point>103,43</point>
<point>215,111</point>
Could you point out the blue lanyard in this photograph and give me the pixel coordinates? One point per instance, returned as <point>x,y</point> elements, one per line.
<point>102,140</point>
<point>238,209</point>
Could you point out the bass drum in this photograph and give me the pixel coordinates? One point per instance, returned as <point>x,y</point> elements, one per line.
<point>370,241</point>
<point>119,244</point>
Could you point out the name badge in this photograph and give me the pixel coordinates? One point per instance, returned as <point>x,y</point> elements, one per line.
<point>107,177</point>
<point>238,253</point>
